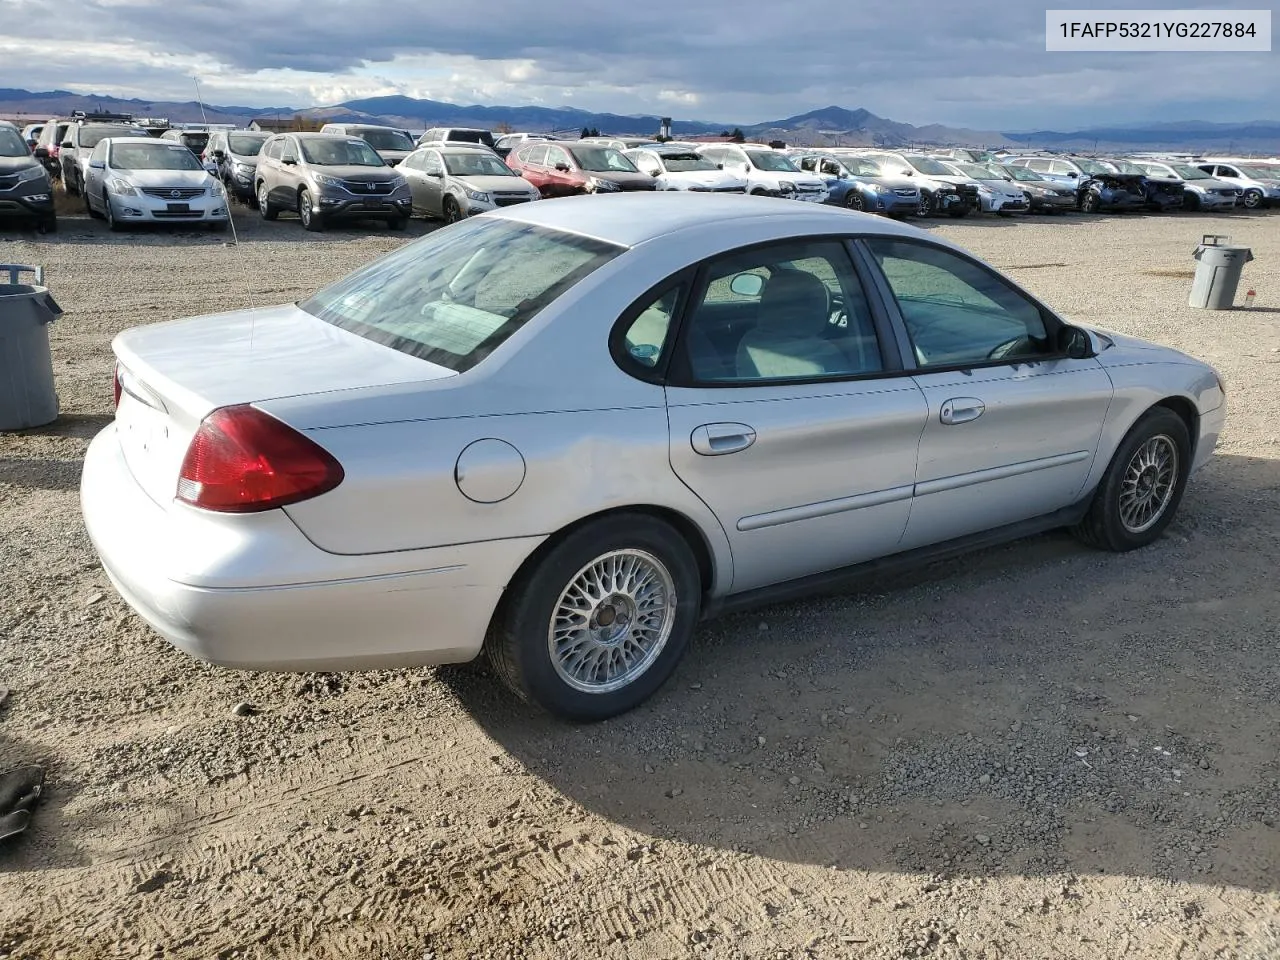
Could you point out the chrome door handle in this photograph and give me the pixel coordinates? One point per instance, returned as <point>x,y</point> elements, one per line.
<point>961,410</point>
<point>717,439</point>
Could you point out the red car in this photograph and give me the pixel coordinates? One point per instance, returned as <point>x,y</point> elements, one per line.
<point>564,169</point>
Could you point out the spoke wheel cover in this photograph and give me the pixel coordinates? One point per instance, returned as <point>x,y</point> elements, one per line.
<point>1149,483</point>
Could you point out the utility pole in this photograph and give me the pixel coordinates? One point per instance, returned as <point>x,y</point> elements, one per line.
<point>200,100</point>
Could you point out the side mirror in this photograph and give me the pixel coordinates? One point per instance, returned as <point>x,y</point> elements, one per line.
<point>66,144</point>
<point>562,167</point>
<point>289,160</point>
<point>438,174</point>
<point>1075,343</point>
<point>1072,174</point>
<point>219,155</point>
<point>98,164</point>
<point>42,153</point>
<point>747,284</point>
<point>719,166</point>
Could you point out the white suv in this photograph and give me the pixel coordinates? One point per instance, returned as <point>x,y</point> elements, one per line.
<point>768,173</point>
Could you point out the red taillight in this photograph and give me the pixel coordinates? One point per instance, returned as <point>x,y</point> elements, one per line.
<point>242,460</point>
<point>116,386</point>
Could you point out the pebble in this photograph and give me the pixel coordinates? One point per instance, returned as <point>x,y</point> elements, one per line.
<point>675,792</point>
<point>982,838</point>
<point>984,779</point>
<point>244,709</point>
<point>794,781</point>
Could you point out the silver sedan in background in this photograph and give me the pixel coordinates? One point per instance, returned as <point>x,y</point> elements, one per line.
<point>563,432</point>
<point>451,183</point>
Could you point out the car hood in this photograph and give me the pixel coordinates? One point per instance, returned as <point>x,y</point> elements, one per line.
<point>1120,349</point>
<point>892,182</point>
<point>496,184</point>
<point>356,172</point>
<point>1002,186</point>
<point>1213,183</point>
<point>10,165</point>
<point>619,177</point>
<point>703,178</point>
<point>165,178</point>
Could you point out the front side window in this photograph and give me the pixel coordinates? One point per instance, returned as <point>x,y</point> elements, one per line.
<point>557,155</point>
<point>431,163</point>
<point>791,311</point>
<point>455,295</point>
<point>956,312</point>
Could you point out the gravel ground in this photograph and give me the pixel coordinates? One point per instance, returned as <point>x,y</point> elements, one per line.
<point>1037,751</point>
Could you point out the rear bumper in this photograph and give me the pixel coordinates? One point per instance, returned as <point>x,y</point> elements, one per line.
<point>251,592</point>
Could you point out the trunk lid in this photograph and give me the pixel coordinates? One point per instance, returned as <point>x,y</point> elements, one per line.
<point>174,374</point>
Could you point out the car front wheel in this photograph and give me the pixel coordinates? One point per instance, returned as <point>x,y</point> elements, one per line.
<point>1252,199</point>
<point>1140,492</point>
<point>596,625</point>
<point>266,209</point>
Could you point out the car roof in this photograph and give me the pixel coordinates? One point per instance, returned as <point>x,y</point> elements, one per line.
<point>630,219</point>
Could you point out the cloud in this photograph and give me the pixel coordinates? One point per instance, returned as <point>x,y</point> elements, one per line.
<point>980,64</point>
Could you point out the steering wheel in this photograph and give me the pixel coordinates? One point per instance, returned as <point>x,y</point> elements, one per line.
<point>1003,351</point>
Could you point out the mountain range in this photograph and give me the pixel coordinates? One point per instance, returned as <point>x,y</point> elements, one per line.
<point>829,126</point>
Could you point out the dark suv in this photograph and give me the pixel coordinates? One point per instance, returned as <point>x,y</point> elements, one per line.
<point>25,190</point>
<point>234,156</point>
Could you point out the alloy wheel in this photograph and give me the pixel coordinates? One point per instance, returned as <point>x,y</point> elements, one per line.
<point>1149,483</point>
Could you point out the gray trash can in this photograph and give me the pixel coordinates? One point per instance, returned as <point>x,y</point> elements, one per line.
<point>27,394</point>
<point>1217,272</point>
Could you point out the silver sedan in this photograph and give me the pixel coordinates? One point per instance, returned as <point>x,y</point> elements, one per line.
<point>563,432</point>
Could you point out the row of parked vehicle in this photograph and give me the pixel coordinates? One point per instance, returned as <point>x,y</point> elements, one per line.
<point>125,174</point>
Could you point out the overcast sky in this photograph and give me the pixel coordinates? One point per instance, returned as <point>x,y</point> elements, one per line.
<point>979,63</point>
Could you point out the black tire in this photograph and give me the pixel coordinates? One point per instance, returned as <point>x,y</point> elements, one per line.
<point>452,212</point>
<point>1090,202</point>
<point>397,223</point>
<point>759,192</point>
<point>853,200</point>
<point>1103,526</point>
<point>311,219</point>
<point>266,209</point>
<point>518,645</point>
<point>71,186</point>
<point>1190,202</point>
<point>47,224</point>
<point>114,225</point>
<point>1251,200</point>
<point>959,210</point>
<point>927,206</point>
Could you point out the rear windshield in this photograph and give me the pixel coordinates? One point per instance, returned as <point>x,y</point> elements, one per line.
<point>246,146</point>
<point>385,139</point>
<point>469,136</point>
<point>455,295</point>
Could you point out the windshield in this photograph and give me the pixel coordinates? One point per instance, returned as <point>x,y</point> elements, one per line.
<point>453,296</point>
<point>685,162</point>
<point>1188,172</point>
<point>388,139</point>
<point>153,156</point>
<point>768,160</point>
<point>1124,166</point>
<point>976,171</point>
<point>11,144</point>
<point>602,159</point>
<point>1093,166</point>
<point>246,146</point>
<point>1260,173</point>
<point>476,165</point>
<point>930,168</point>
<point>195,142</point>
<point>337,152</point>
<point>1020,173</point>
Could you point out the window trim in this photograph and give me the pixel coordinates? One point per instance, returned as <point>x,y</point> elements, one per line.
<point>1054,325</point>
<point>676,367</point>
<point>657,374</point>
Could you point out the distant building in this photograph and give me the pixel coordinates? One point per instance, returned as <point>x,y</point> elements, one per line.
<point>285,124</point>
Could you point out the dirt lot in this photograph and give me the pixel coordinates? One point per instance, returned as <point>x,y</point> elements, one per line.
<point>1039,751</point>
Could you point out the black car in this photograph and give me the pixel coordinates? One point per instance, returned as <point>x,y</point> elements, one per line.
<point>234,155</point>
<point>26,192</point>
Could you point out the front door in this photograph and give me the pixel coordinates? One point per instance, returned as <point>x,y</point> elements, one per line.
<point>783,418</point>
<point>1013,425</point>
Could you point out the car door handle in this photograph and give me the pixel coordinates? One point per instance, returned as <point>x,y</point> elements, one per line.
<point>717,439</point>
<point>961,410</point>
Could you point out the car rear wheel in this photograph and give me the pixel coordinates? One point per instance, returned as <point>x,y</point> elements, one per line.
<point>853,200</point>
<point>1090,202</point>
<point>452,212</point>
<point>597,624</point>
<point>311,219</point>
<point>265,208</point>
<point>1140,492</point>
<point>1252,199</point>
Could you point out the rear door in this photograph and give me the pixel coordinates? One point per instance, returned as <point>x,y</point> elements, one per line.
<point>786,417</point>
<point>1013,424</point>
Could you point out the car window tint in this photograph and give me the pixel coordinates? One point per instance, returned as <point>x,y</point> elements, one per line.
<point>956,312</point>
<point>799,312</point>
<point>535,155</point>
<point>647,334</point>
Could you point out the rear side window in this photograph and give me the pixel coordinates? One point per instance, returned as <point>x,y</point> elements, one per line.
<point>455,295</point>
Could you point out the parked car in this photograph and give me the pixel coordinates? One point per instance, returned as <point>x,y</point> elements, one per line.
<point>1261,185</point>
<point>509,141</point>
<point>194,140</point>
<point>528,435</point>
<point>941,191</point>
<point>573,167</point>
<point>1097,184</point>
<point>858,184</point>
<point>391,144</point>
<point>31,134</point>
<point>997,193</point>
<point>456,137</point>
<point>26,192</point>
<point>140,179</point>
<point>679,168</point>
<point>1043,195</point>
<point>623,144</point>
<point>768,172</point>
<point>233,154</point>
<point>325,177</point>
<point>50,144</point>
<point>78,144</point>
<point>1199,190</point>
<point>1162,193</point>
<point>452,183</point>
<point>965,154</point>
